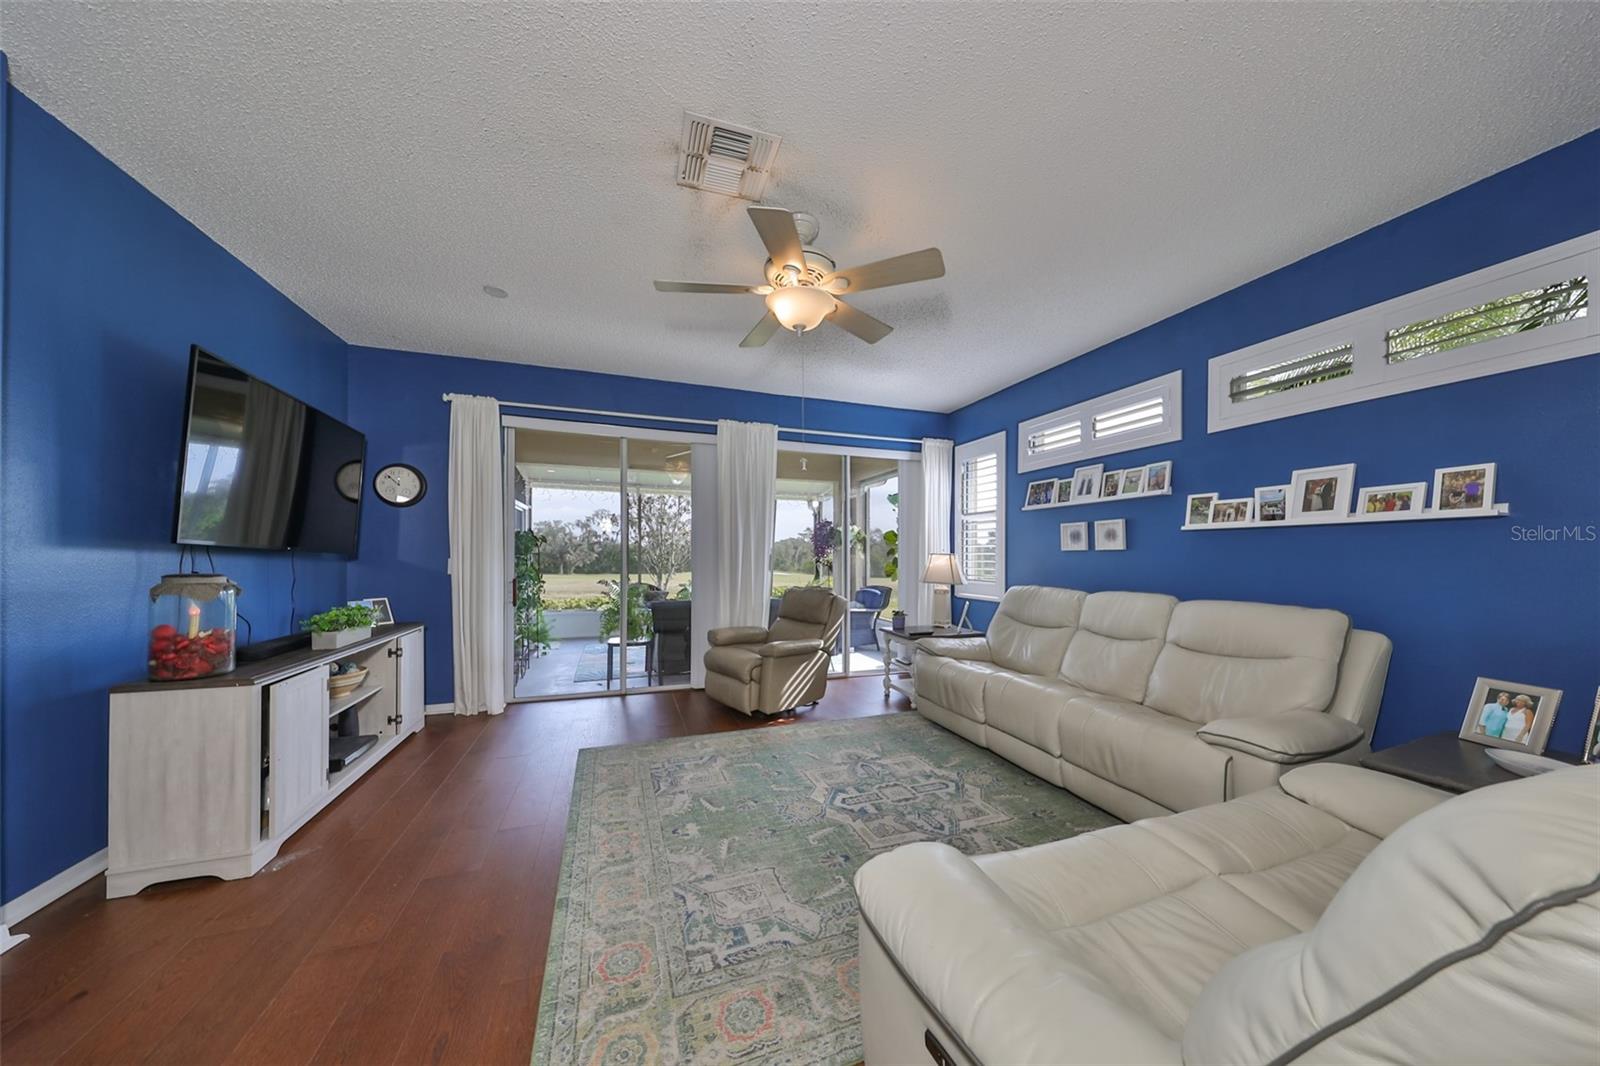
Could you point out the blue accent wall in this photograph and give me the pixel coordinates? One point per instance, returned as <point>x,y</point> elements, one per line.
<point>1459,599</point>
<point>395,399</point>
<point>106,288</point>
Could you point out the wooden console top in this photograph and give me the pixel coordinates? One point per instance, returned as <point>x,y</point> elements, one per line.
<point>266,671</point>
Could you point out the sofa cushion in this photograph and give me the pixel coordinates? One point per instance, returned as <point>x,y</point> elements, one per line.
<point>1236,660</point>
<point>1471,934</point>
<point>1119,636</point>
<point>1032,627</point>
<point>738,661</point>
<point>1147,752</point>
<point>954,684</point>
<point>1029,707</point>
<point>1156,908</point>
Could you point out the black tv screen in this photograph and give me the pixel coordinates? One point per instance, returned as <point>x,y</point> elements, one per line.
<point>261,469</point>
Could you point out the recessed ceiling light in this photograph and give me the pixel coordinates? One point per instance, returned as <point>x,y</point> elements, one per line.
<point>494,290</point>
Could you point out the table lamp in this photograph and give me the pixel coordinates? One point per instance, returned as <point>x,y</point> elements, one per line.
<point>942,572</point>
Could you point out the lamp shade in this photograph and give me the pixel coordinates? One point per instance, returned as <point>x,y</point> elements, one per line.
<point>943,570</point>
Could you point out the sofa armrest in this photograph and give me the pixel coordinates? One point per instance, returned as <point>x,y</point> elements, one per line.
<point>782,649</point>
<point>957,647</point>
<point>1288,737</point>
<point>737,635</point>
<point>1373,802</point>
<point>988,971</point>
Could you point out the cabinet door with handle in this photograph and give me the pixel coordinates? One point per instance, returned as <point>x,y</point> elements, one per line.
<point>297,767</point>
<point>411,697</point>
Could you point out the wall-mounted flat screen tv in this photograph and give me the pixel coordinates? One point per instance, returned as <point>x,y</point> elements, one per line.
<point>261,469</point>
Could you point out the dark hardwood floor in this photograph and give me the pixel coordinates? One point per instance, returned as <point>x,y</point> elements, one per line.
<point>407,923</point>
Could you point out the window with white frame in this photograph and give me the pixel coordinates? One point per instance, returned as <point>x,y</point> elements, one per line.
<point>1150,412</point>
<point>981,516</point>
<point>1524,312</point>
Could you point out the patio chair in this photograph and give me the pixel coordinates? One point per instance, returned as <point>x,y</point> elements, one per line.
<point>869,604</point>
<point>670,620</point>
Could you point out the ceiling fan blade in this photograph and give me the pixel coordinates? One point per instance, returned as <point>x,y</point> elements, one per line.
<point>913,266</point>
<point>699,286</point>
<point>776,227</point>
<point>762,333</point>
<point>860,323</point>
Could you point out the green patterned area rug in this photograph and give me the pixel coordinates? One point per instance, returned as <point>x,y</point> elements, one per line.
<point>706,913</point>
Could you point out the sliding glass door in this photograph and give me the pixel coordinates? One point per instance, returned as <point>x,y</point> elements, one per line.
<point>602,594</point>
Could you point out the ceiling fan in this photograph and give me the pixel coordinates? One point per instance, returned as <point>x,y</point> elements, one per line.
<point>804,285</point>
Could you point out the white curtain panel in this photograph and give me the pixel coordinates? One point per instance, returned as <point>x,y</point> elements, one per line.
<point>477,555</point>
<point>938,482</point>
<point>912,591</point>
<point>747,503</point>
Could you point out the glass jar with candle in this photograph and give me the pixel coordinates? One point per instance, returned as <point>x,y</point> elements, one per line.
<point>192,622</point>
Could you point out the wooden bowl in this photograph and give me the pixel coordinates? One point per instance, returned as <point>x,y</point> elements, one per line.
<point>344,684</point>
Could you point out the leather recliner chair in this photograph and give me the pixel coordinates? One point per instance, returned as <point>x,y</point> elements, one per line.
<point>773,670</point>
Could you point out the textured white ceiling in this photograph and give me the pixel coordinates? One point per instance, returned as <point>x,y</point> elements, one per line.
<point>1087,168</point>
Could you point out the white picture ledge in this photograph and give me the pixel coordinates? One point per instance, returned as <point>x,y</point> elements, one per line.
<point>1498,510</point>
<point>1108,499</point>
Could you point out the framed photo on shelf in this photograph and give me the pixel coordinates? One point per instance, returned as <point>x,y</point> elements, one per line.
<point>1063,490</point>
<point>1197,511</point>
<point>1132,481</point>
<point>1322,494</point>
<point>1272,503</point>
<point>381,614</point>
<point>1382,502</point>
<point>1158,476</point>
<point>1040,494</point>
<point>1507,714</point>
<point>1110,482</point>
<point>1230,512</point>
<point>1074,536</point>
<point>1464,488</point>
<point>1111,535</point>
<point>1086,482</point>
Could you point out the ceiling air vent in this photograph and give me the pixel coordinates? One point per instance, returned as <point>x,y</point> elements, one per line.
<point>723,158</point>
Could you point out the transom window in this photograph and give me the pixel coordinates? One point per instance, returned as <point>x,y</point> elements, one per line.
<point>1140,415</point>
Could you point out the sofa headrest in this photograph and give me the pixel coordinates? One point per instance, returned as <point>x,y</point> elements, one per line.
<point>1224,659</point>
<point>1259,630</point>
<point>1470,934</point>
<point>1128,615</point>
<point>1041,605</point>
<point>1119,636</point>
<point>807,604</point>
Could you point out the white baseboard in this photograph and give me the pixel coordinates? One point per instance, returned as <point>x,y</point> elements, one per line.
<point>439,708</point>
<point>43,895</point>
<point>8,940</point>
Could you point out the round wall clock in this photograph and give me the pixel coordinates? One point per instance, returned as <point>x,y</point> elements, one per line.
<point>399,485</point>
<point>348,480</point>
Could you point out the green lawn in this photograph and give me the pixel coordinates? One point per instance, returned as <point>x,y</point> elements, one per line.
<point>561,586</point>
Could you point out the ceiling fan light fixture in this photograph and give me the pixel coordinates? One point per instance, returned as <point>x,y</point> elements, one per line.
<point>801,307</point>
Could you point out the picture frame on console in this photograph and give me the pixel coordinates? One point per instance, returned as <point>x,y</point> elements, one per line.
<point>1510,714</point>
<point>1322,494</point>
<point>1464,488</point>
<point>1384,502</point>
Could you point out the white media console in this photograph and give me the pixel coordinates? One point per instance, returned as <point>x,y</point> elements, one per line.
<point>210,777</point>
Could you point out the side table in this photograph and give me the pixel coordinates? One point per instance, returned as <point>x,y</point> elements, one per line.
<point>1447,762</point>
<point>899,653</point>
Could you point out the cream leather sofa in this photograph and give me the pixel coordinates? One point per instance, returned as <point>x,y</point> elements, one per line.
<point>1144,705</point>
<point>1344,916</point>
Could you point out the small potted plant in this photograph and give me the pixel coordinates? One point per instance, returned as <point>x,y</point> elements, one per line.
<point>339,626</point>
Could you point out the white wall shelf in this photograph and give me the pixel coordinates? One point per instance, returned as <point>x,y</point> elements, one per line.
<point>1099,499</point>
<point>1499,510</point>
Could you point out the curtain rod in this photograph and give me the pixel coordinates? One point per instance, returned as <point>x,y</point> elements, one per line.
<point>688,421</point>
